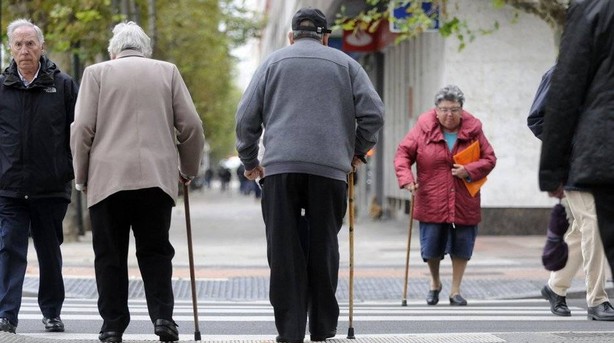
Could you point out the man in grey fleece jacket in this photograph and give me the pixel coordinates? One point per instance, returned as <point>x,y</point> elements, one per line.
<point>320,115</point>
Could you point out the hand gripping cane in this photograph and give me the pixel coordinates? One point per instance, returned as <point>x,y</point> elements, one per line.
<point>411,221</point>
<point>186,201</point>
<point>351,224</point>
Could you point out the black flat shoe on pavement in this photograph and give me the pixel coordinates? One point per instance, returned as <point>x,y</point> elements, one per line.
<point>280,339</point>
<point>432,297</point>
<point>6,326</point>
<point>457,300</point>
<point>603,312</point>
<point>110,337</point>
<point>558,304</point>
<point>53,324</point>
<point>167,330</point>
<point>322,338</point>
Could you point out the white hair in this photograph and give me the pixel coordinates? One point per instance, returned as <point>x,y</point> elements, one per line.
<point>15,24</point>
<point>450,93</point>
<point>129,35</point>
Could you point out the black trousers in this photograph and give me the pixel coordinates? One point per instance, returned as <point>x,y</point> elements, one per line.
<point>604,206</point>
<point>43,219</point>
<point>303,214</point>
<point>148,213</point>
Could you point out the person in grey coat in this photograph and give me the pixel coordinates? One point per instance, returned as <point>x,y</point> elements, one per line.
<point>320,115</point>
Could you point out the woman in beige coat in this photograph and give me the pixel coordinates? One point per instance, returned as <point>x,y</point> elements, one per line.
<point>136,132</point>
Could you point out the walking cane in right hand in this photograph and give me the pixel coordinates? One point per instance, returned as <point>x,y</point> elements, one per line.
<point>351,238</point>
<point>191,258</point>
<point>411,221</point>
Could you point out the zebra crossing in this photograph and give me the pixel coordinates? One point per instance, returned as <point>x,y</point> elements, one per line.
<point>255,320</point>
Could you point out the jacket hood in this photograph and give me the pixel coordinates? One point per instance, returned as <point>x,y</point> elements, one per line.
<point>470,126</point>
<point>45,78</point>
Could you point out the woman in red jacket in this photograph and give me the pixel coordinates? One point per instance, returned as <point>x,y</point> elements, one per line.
<point>448,214</point>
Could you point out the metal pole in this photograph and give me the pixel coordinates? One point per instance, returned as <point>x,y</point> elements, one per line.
<point>188,224</point>
<point>411,221</point>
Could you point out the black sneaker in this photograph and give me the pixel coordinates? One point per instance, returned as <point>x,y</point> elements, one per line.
<point>6,326</point>
<point>53,324</point>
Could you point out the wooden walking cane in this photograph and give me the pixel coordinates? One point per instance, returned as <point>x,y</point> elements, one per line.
<point>186,201</point>
<point>411,221</point>
<point>351,229</point>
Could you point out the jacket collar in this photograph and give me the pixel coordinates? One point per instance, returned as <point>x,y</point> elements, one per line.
<point>430,125</point>
<point>45,77</point>
<point>130,53</point>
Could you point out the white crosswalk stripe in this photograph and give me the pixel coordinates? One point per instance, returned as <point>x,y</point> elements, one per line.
<point>479,310</point>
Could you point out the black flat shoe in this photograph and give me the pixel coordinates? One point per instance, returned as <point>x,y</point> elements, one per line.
<point>432,297</point>
<point>558,304</point>
<point>322,338</point>
<point>167,330</point>
<point>110,337</point>
<point>53,324</point>
<point>457,300</point>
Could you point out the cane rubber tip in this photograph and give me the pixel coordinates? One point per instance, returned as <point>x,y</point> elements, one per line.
<point>404,303</point>
<point>351,333</point>
<point>197,336</point>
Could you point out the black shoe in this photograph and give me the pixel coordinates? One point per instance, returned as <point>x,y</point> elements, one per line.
<point>167,330</point>
<point>604,312</point>
<point>110,337</point>
<point>432,297</point>
<point>53,324</point>
<point>558,304</point>
<point>457,300</point>
<point>280,339</point>
<point>6,326</point>
<point>322,338</point>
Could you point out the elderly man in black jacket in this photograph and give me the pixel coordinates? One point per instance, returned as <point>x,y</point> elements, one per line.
<point>37,104</point>
<point>578,138</point>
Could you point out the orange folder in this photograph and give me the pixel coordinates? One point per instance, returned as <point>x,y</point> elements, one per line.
<point>470,154</point>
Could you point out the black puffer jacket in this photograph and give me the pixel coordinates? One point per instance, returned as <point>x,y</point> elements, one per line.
<point>578,137</point>
<point>35,157</point>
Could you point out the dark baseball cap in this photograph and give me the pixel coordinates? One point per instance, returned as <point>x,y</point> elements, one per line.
<point>312,14</point>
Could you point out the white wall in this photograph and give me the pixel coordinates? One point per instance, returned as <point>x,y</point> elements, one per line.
<point>499,74</point>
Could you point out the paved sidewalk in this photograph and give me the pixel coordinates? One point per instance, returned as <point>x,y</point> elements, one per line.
<point>230,255</point>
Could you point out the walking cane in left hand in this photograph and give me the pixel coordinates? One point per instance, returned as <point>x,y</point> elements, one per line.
<point>351,228</point>
<point>411,221</point>
<point>191,258</point>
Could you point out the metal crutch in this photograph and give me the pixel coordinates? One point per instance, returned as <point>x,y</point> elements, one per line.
<point>411,221</point>
<point>191,258</point>
<point>351,229</point>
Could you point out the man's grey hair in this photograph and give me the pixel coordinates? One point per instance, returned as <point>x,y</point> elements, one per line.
<point>298,34</point>
<point>129,35</point>
<point>15,24</point>
<point>450,93</point>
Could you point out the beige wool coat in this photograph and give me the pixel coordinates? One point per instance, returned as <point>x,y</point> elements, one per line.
<point>135,127</point>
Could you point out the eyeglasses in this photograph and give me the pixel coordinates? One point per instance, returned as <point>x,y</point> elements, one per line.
<point>453,110</point>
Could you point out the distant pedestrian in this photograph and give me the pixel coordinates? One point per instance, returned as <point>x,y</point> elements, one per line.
<point>448,214</point>
<point>37,103</point>
<point>584,245</point>
<point>578,143</point>
<point>130,148</point>
<point>320,115</point>
<point>225,176</point>
<point>208,177</point>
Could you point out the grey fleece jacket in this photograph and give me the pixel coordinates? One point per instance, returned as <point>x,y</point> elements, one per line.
<point>317,107</point>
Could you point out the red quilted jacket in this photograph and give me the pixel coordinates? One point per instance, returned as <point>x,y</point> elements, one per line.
<point>442,197</point>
